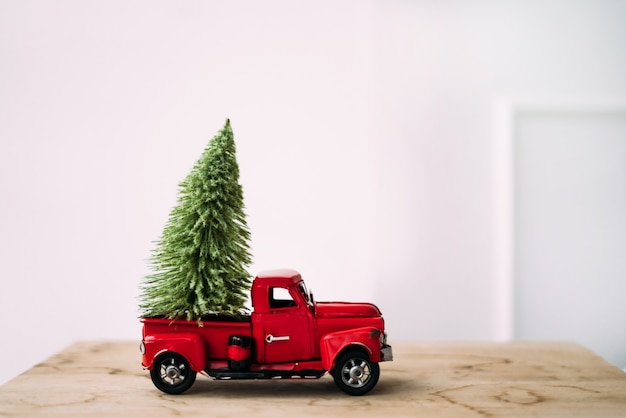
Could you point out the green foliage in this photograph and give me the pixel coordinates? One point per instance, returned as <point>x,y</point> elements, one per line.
<point>199,263</point>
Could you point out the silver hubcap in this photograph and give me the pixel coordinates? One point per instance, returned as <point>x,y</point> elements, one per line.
<point>171,372</point>
<point>356,372</point>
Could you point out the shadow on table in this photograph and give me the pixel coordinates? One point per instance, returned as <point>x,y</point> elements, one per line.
<point>294,388</point>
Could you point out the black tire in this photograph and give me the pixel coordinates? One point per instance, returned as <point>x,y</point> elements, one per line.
<point>355,374</point>
<point>172,373</point>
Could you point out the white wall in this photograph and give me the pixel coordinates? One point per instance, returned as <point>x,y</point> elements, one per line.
<point>441,68</point>
<point>363,132</point>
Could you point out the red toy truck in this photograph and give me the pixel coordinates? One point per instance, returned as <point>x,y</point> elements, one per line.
<point>288,335</point>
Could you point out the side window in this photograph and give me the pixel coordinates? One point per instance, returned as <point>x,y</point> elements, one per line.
<point>280,298</point>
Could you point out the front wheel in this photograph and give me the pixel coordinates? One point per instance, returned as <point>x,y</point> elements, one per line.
<point>172,373</point>
<point>355,374</point>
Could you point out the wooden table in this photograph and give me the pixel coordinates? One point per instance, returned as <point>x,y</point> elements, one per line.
<point>426,379</point>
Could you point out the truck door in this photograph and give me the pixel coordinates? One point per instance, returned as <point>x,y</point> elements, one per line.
<point>285,331</point>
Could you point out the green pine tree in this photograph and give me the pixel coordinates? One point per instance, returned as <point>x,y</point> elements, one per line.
<point>199,263</point>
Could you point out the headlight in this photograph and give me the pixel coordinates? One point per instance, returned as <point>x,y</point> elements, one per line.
<point>142,348</point>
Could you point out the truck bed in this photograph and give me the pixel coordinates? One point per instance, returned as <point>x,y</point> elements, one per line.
<point>214,330</point>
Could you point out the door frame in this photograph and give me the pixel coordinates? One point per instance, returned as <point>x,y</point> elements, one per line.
<point>505,113</point>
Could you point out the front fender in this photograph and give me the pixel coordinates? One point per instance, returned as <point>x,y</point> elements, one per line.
<point>188,345</point>
<point>367,338</point>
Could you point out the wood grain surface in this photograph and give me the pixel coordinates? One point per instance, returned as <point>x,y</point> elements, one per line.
<point>91,379</point>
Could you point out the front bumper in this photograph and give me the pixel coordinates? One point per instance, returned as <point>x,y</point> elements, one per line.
<point>386,353</point>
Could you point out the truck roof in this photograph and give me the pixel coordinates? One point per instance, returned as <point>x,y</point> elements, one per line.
<point>282,274</point>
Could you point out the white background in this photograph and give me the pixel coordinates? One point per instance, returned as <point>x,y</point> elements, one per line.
<point>364,133</point>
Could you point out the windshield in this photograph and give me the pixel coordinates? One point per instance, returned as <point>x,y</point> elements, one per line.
<point>305,293</point>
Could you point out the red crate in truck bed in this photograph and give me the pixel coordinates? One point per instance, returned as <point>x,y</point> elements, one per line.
<point>287,335</point>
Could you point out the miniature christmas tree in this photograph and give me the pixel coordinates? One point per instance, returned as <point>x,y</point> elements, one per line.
<point>199,263</point>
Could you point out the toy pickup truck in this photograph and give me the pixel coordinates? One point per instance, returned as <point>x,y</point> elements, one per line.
<point>288,335</point>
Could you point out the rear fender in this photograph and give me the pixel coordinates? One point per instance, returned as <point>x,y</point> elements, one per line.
<point>366,338</point>
<point>189,345</point>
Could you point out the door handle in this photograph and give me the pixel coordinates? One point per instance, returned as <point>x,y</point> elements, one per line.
<point>270,338</point>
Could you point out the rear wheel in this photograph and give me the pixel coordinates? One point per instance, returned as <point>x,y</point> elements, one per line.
<point>355,374</point>
<point>172,373</point>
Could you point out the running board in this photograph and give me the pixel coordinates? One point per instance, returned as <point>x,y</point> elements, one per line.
<point>266,374</point>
